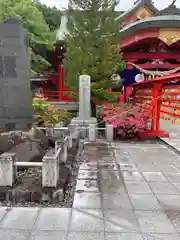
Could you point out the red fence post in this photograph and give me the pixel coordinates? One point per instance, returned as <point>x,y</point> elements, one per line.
<point>158,106</point>
<point>61,82</point>
<point>156,94</point>
<point>154,100</point>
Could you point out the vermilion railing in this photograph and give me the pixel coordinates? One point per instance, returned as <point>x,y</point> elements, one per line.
<point>58,96</point>
<point>64,95</point>
<point>161,98</point>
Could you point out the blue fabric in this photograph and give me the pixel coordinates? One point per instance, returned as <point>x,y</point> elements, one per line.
<point>129,76</point>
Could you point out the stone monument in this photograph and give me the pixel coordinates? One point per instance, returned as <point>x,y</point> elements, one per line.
<point>16,112</point>
<point>84,117</point>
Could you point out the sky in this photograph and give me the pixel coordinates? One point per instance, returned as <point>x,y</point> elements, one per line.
<point>123,5</point>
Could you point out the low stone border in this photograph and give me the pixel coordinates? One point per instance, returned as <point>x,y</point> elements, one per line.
<point>51,186</point>
<point>172,148</point>
<point>31,190</point>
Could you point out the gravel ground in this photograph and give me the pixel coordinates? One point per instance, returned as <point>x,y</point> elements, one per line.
<point>72,164</point>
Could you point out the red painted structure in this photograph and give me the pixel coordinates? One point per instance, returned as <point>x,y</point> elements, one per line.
<point>161,98</point>
<point>149,42</point>
<point>60,94</point>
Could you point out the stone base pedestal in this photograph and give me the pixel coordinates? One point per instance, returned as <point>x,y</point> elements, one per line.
<point>83,123</point>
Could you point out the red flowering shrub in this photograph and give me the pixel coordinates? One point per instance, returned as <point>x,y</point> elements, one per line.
<point>127,119</point>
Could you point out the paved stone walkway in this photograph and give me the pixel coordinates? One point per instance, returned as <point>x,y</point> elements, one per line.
<point>174,134</point>
<point>124,192</point>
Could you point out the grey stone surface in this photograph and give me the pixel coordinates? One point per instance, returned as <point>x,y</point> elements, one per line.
<point>13,235</point>
<point>20,218</point>
<point>83,122</point>
<point>169,202</point>
<point>3,211</point>
<point>48,235</point>
<point>6,144</point>
<point>87,175</point>
<point>123,236</point>
<point>174,217</point>
<point>131,176</point>
<point>87,200</point>
<point>41,138</point>
<point>128,167</point>
<point>120,221</point>
<point>173,177</point>
<point>28,151</point>
<point>116,201</point>
<point>85,236</point>
<point>87,220</point>
<point>163,188</point>
<point>154,176</point>
<point>154,222</point>
<point>87,186</point>
<point>111,182</point>
<point>84,97</point>
<point>53,219</point>
<point>145,202</point>
<point>161,236</point>
<point>84,117</point>
<point>15,94</point>
<point>130,205</point>
<point>89,166</point>
<point>177,186</point>
<point>138,187</point>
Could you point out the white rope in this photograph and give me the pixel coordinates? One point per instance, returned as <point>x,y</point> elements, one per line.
<point>155,73</point>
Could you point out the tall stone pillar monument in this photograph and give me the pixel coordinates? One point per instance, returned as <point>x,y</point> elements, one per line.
<point>84,115</point>
<point>16,111</point>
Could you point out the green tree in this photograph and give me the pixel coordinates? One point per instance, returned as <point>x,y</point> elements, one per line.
<point>52,15</point>
<point>92,46</point>
<point>40,36</point>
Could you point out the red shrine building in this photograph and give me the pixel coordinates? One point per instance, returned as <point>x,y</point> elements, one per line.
<point>149,40</point>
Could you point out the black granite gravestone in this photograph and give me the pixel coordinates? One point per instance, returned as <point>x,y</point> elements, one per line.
<point>16,112</point>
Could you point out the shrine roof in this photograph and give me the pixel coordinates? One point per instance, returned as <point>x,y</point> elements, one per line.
<point>165,21</point>
<point>170,10</point>
<point>140,3</point>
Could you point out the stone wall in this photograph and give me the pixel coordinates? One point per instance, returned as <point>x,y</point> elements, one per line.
<point>16,112</point>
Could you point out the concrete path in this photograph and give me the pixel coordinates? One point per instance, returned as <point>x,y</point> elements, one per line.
<point>174,134</point>
<point>124,192</point>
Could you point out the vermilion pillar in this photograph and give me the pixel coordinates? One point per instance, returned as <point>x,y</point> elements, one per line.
<point>61,82</point>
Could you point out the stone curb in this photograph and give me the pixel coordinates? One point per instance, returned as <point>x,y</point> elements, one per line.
<point>172,148</point>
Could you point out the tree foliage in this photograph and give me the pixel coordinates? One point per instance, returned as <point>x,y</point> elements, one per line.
<point>92,45</point>
<point>52,15</point>
<point>46,114</point>
<point>40,36</point>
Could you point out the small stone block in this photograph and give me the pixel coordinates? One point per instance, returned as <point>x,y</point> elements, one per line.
<point>92,132</point>
<point>58,196</point>
<point>3,193</point>
<point>35,196</point>
<point>87,186</point>
<point>109,133</point>
<point>7,169</point>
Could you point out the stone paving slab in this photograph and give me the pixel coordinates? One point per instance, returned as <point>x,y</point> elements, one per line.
<point>87,200</point>
<point>53,219</point>
<point>14,235</point>
<point>87,175</point>
<point>174,134</point>
<point>20,218</point>
<point>47,235</point>
<point>139,199</point>
<point>85,236</point>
